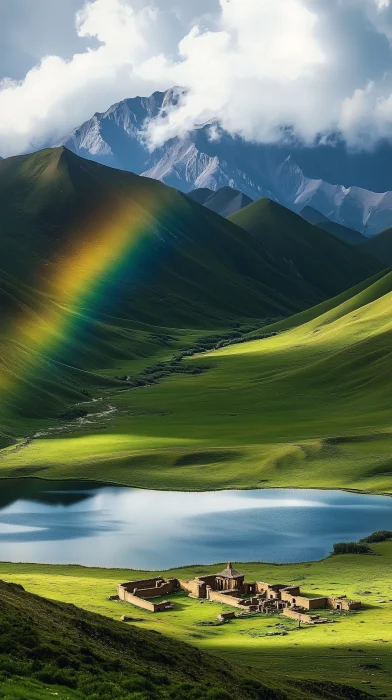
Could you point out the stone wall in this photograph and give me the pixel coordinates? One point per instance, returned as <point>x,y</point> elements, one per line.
<point>352,605</point>
<point>145,604</point>
<point>143,583</point>
<point>311,603</point>
<point>148,588</point>
<point>157,591</point>
<point>270,591</point>
<point>301,617</point>
<point>344,604</point>
<point>195,588</point>
<point>219,597</point>
<point>290,592</point>
<point>139,602</point>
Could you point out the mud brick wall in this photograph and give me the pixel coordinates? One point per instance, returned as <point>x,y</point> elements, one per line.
<point>303,617</point>
<point>191,586</point>
<point>218,597</point>
<point>140,602</point>
<point>311,603</point>
<point>156,591</point>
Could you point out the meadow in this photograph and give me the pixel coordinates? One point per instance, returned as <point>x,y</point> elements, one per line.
<point>356,649</point>
<point>308,407</point>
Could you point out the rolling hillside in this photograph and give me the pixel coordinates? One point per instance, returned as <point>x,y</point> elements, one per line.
<point>308,407</point>
<point>100,268</point>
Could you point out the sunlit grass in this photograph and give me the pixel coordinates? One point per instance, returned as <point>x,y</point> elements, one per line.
<point>351,646</point>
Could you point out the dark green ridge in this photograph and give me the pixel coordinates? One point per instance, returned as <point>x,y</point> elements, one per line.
<point>316,257</point>
<point>343,233</point>
<point>380,246</point>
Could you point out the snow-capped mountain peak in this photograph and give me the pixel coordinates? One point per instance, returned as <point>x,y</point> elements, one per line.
<point>114,138</point>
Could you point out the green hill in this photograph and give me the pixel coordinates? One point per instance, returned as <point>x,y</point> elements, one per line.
<point>101,269</point>
<point>297,247</point>
<point>74,229</point>
<point>308,407</point>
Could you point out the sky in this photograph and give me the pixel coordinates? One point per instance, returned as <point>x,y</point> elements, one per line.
<point>259,67</point>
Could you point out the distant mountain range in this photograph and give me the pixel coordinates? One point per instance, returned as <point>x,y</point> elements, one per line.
<point>291,174</point>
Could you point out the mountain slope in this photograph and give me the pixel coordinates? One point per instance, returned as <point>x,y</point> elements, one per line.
<point>55,205</point>
<point>314,255</point>
<point>290,173</point>
<point>225,201</point>
<point>101,267</point>
<point>309,407</point>
<point>380,246</point>
<point>348,235</point>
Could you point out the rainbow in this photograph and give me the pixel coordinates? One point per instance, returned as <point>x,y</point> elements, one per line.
<point>83,272</point>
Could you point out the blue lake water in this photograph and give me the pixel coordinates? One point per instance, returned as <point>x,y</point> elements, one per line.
<point>108,526</point>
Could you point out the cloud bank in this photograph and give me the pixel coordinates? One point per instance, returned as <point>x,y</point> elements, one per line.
<point>313,67</point>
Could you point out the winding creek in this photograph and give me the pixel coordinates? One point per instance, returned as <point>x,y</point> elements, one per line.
<point>110,526</point>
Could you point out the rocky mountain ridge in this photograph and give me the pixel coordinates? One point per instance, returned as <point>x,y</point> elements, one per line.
<point>209,158</point>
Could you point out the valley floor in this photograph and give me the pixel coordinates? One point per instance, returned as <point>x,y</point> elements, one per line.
<point>355,650</point>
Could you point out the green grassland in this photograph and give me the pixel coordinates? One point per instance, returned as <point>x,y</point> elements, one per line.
<point>308,407</point>
<point>356,649</point>
<point>49,649</point>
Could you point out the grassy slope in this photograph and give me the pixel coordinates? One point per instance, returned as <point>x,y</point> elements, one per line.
<point>309,407</point>
<point>356,650</point>
<point>195,272</point>
<point>50,648</point>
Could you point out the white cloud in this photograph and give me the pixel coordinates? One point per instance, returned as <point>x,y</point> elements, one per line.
<point>254,65</point>
<point>246,74</point>
<point>57,94</point>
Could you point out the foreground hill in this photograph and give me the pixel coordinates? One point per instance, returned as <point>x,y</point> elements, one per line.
<point>225,201</point>
<point>53,648</point>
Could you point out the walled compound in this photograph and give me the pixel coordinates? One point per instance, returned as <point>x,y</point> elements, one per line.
<point>230,588</point>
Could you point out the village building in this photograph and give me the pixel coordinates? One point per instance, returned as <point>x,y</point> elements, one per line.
<point>141,593</point>
<point>230,588</point>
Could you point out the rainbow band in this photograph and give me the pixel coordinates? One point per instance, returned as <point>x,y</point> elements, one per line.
<point>82,272</point>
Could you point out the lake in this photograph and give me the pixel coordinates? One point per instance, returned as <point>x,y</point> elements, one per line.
<point>94,525</point>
